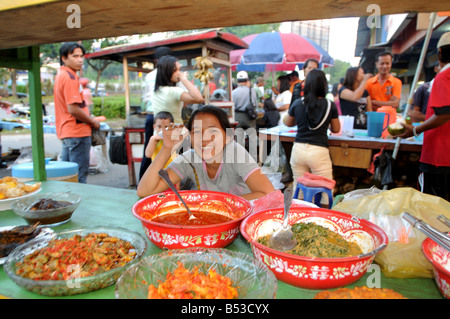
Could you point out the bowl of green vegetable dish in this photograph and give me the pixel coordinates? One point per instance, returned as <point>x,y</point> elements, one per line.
<point>334,249</point>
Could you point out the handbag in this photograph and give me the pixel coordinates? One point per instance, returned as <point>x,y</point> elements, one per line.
<point>98,137</point>
<point>117,149</point>
<point>250,108</point>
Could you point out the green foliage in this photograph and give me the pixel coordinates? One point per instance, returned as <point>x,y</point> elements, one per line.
<point>337,71</point>
<point>244,30</point>
<point>109,106</point>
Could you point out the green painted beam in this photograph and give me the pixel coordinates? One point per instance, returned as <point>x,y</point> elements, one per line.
<point>37,135</point>
<point>27,58</point>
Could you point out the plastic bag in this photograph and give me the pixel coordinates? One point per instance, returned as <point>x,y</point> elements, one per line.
<point>403,257</point>
<point>275,165</point>
<point>117,149</point>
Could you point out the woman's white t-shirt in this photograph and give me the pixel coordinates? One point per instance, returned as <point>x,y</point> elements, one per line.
<point>168,99</point>
<point>283,99</point>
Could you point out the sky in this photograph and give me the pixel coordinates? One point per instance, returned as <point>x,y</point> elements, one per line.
<point>342,39</point>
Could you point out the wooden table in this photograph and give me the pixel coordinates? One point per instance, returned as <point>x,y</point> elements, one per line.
<point>356,151</point>
<point>112,206</point>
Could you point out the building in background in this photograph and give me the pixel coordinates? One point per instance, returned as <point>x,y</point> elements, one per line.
<point>315,30</point>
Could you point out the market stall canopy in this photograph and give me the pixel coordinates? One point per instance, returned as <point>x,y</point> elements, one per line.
<point>181,46</point>
<point>34,22</point>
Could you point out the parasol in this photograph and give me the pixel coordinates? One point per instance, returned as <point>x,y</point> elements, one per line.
<point>275,51</point>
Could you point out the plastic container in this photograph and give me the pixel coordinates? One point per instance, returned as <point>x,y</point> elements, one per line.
<point>389,120</point>
<point>376,123</point>
<point>56,170</point>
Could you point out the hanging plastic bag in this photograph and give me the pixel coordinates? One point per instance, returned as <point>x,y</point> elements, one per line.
<point>403,257</point>
<point>275,165</point>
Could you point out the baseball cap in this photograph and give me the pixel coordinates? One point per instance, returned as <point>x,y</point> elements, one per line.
<point>444,40</point>
<point>242,75</point>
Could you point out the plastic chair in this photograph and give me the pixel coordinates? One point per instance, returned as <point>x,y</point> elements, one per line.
<point>314,193</point>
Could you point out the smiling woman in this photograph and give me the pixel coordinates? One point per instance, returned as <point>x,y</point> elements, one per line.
<point>216,162</point>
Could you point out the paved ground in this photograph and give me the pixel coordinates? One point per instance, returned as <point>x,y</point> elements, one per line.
<point>114,175</point>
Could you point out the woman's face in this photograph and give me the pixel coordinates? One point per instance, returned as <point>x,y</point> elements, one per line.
<point>176,74</point>
<point>208,138</point>
<point>360,75</point>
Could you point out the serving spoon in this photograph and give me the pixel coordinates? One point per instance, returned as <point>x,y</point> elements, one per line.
<point>165,176</point>
<point>283,238</point>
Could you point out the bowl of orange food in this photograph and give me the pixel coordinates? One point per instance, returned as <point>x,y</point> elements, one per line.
<point>168,225</point>
<point>200,273</point>
<point>333,249</point>
<point>74,261</point>
<point>439,257</point>
<point>11,189</point>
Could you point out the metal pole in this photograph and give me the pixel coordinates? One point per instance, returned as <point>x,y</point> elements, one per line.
<point>416,79</point>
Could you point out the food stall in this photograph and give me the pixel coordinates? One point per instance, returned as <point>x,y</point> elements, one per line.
<point>213,44</point>
<point>353,152</point>
<point>98,208</point>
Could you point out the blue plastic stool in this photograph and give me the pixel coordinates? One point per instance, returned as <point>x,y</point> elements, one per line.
<point>310,193</point>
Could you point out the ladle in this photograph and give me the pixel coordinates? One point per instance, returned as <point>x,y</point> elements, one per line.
<point>283,238</point>
<point>165,176</point>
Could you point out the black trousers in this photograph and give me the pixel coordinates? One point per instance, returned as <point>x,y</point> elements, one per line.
<point>145,163</point>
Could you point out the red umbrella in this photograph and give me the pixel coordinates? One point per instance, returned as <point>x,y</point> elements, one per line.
<point>275,51</point>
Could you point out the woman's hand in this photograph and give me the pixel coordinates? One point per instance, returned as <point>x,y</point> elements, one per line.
<point>173,136</point>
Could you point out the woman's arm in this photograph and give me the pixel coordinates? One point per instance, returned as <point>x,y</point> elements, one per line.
<point>335,125</point>
<point>259,185</point>
<point>369,104</point>
<point>289,120</point>
<point>193,95</point>
<point>348,94</point>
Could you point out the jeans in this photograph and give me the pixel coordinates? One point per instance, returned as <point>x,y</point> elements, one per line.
<point>76,150</point>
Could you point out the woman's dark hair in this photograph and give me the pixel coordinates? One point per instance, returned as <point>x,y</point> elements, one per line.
<point>284,83</point>
<point>219,113</point>
<point>350,77</point>
<point>334,90</point>
<point>269,105</point>
<point>316,86</point>
<point>68,48</point>
<point>166,67</point>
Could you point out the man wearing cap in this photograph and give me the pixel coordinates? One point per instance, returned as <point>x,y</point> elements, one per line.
<point>435,158</point>
<point>241,98</point>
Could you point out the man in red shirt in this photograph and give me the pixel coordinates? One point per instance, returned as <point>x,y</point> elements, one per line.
<point>384,89</point>
<point>435,157</point>
<point>72,118</point>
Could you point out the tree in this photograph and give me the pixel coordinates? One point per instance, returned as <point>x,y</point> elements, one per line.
<point>337,71</point>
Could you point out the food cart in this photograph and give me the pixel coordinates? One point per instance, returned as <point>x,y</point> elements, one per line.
<point>214,44</point>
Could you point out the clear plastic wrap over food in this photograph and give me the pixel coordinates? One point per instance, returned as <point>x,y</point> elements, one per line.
<point>403,257</point>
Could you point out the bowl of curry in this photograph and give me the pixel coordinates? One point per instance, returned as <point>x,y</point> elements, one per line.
<point>75,261</point>
<point>167,224</point>
<point>333,249</point>
<point>439,257</point>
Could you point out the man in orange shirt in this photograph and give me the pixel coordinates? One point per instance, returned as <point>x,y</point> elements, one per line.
<point>72,118</point>
<point>384,89</point>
